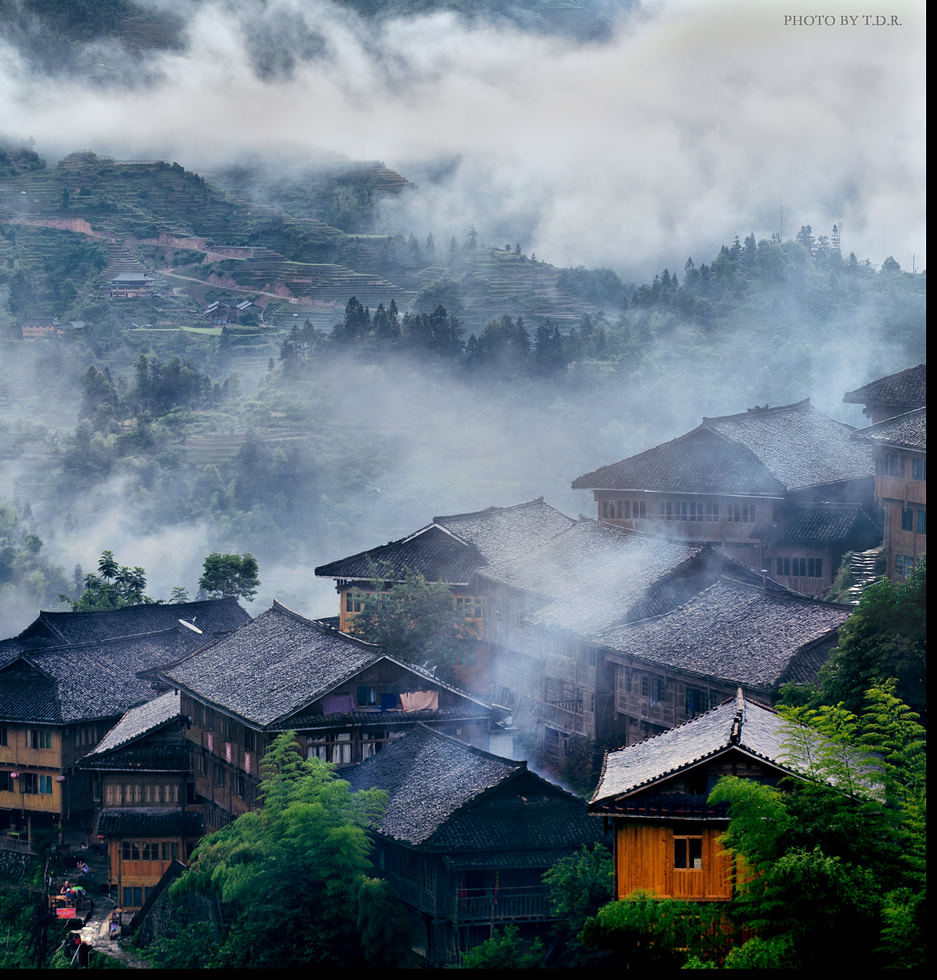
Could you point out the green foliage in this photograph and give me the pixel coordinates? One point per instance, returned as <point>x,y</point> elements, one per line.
<point>113,586</point>
<point>577,886</point>
<point>834,865</point>
<point>505,951</point>
<point>644,932</point>
<point>411,618</point>
<point>885,637</point>
<point>295,874</point>
<point>230,575</point>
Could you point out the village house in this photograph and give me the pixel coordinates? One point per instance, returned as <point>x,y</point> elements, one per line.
<point>131,285</point>
<point>895,394</point>
<point>555,662</point>
<point>449,549</point>
<point>65,681</point>
<point>900,446</point>
<point>655,796</point>
<point>767,487</point>
<point>731,635</point>
<point>466,838</point>
<point>345,699</point>
<point>145,797</point>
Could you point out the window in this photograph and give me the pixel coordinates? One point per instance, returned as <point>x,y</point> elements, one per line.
<point>904,566</point>
<point>798,566</point>
<point>688,853</point>
<point>712,512</point>
<point>660,688</point>
<point>907,519</point>
<point>697,701</point>
<point>218,773</point>
<point>784,566</point>
<point>645,686</point>
<point>170,850</point>
<point>38,738</point>
<point>639,508</point>
<point>815,567</point>
<point>918,469</point>
<point>28,782</point>
<point>45,785</point>
<point>6,784</point>
<point>922,522</point>
<point>3,735</point>
<point>133,897</point>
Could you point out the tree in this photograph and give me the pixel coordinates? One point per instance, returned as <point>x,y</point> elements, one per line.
<point>835,861</point>
<point>884,637</point>
<point>505,950</point>
<point>114,586</point>
<point>229,575</point>
<point>295,875</point>
<point>578,885</point>
<point>411,617</point>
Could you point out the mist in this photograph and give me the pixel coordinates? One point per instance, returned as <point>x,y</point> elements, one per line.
<point>689,123</point>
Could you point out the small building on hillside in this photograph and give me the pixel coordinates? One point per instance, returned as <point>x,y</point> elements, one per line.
<point>900,446</point>
<point>655,796</point>
<point>346,700</point>
<point>131,285</point>
<point>734,478</point>
<point>145,797</point>
<point>467,837</point>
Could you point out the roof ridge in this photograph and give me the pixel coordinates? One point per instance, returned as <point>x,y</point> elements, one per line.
<point>319,626</point>
<point>488,510</point>
<point>758,410</point>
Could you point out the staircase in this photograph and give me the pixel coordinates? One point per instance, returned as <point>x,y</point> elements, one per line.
<point>865,571</point>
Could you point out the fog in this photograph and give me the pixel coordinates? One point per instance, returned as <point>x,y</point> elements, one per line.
<point>692,122</point>
<point>689,124</point>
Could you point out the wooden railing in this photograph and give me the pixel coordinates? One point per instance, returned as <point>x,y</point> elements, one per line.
<point>503,904</point>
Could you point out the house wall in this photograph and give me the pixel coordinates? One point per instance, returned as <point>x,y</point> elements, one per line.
<point>645,859</point>
<point>901,488</point>
<point>136,864</point>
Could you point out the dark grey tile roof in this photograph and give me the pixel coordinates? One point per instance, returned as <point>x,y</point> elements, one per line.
<point>449,797</point>
<point>139,721</point>
<point>432,552</point>
<point>763,451</point>
<point>730,632</point>
<point>750,726</point>
<point>88,681</point>
<point>212,616</point>
<point>908,431</point>
<point>142,756</point>
<point>272,669</point>
<point>904,390</point>
<point>147,822</point>
<point>591,573</point>
<point>824,523</point>
<point>452,547</point>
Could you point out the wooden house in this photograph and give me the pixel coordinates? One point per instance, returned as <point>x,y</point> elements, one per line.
<point>66,680</point>
<point>144,795</point>
<point>346,700</point>
<point>655,796</point>
<point>546,614</point>
<point>131,285</point>
<point>895,394</point>
<point>900,447</point>
<point>732,635</point>
<point>733,479</point>
<point>449,549</point>
<point>467,837</point>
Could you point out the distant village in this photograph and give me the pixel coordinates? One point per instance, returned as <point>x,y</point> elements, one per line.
<point>647,643</point>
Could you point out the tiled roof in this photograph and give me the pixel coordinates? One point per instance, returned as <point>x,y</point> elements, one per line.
<point>908,431</point>
<point>739,722</point>
<point>763,451</point>
<point>90,680</point>
<point>592,574</point>
<point>904,390</point>
<point>277,665</point>
<point>432,551</point>
<point>452,547</point>
<point>451,797</point>
<point>212,616</point>
<point>142,756</point>
<point>150,822</point>
<point>500,532</point>
<point>730,632</point>
<point>139,721</point>
<point>826,522</point>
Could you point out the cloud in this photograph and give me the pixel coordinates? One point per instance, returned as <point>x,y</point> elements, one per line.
<point>692,123</point>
